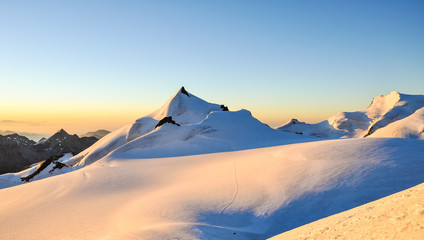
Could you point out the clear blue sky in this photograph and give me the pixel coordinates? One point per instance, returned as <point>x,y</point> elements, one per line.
<point>279,59</point>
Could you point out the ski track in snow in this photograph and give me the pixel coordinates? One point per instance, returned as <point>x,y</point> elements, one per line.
<point>236,189</point>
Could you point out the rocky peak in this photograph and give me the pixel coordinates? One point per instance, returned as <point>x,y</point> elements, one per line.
<point>62,132</point>
<point>183,91</point>
<point>294,121</point>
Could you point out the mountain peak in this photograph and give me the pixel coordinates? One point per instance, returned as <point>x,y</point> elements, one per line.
<point>383,103</point>
<point>394,93</point>
<point>62,131</point>
<point>183,91</point>
<point>59,134</point>
<point>183,108</point>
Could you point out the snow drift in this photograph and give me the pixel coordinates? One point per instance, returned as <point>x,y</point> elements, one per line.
<point>398,216</point>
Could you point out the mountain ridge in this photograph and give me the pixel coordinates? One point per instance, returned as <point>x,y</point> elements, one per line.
<point>97,134</point>
<point>383,111</point>
<point>199,121</point>
<point>18,152</point>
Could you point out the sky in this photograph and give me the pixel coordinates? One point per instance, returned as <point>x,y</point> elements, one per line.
<point>88,65</point>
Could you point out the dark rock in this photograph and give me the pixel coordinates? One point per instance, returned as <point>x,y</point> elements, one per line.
<point>62,142</point>
<point>57,165</point>
<point>224,108</point>
<point>42,165</point>
<point>18,153</point>
<point>294,121</point>
<point>166,120</point>
<point>371,130</point>
<point>183,91</point>
<point>15,153</point>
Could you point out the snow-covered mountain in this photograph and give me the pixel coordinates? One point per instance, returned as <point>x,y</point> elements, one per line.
<point>384,111</point>
<point>194,170</point>
<point>409,127</point>
<point>186,125</point>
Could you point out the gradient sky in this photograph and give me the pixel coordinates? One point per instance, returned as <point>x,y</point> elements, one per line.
<point>86,65</point>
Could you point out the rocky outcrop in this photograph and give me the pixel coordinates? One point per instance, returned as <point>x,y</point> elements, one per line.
<point>44,164</point>
<point>294,121</point>
<point>224,108</point>
<point>166,120</point>
<point>183,91</point>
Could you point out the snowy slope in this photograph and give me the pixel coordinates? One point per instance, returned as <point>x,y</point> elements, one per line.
<point>383,111</point>
<point>398,216</point>
<point>409,127</point>
<point>322,129</point>
<point>14,179</point>
<point>249,194</point>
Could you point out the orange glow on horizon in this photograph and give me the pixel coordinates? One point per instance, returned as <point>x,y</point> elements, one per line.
<point>47,118</point>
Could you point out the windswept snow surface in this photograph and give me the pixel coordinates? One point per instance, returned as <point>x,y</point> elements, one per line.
<point>398,216</point>
<point>384,111</point>
<point>249,194</point>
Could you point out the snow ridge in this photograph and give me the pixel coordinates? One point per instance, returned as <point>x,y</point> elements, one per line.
<point>383,111</point>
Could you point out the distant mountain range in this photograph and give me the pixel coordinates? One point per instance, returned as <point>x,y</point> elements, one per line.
<point>18,152</point>
<point>391,115</point>
<point>33,136</point>
<point>38,136</point>
<point>97,134</point>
